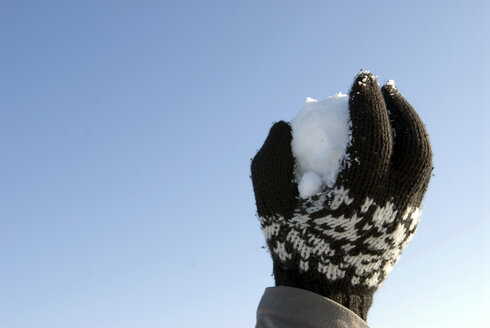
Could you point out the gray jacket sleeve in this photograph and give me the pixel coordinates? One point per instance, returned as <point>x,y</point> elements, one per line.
<point>288,307</point>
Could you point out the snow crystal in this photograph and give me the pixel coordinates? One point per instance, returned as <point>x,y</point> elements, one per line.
<point>320,137</point>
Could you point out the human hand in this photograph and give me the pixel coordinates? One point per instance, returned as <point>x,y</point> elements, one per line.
<point>343,242</point>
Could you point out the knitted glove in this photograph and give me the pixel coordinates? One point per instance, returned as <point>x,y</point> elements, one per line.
<point>343,242</point>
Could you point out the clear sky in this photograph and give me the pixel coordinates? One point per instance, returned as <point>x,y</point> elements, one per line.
<point>127,129</point>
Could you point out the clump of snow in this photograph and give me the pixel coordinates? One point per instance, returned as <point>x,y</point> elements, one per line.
<point>310,184</point>
<point>310,100</point>
<point>392,86</point>
<point>320,137</point>
<point>367,76</point>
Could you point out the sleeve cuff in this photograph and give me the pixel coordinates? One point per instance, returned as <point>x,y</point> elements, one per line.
<point>288,307</point>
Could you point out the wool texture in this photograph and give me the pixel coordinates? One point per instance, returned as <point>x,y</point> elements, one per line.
<point>343,242</point>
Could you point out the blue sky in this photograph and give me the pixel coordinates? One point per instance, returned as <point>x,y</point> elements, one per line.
<point>127,129</point>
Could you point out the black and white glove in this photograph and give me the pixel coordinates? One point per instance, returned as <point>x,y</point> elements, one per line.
<point>343,242</point>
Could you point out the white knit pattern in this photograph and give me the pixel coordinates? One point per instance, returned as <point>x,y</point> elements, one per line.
<point>312,238</point>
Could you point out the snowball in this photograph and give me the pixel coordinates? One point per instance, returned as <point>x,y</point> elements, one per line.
<point>320,137</point>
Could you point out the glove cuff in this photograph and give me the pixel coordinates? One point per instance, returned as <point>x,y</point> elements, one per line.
<point>358,301</point>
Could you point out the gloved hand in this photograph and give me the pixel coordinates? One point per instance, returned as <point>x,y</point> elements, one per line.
<point>343,242</point>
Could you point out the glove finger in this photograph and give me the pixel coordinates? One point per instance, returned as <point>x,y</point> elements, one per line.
<point>273,174</point>
<point>368,154</point>
<point>411,162</point>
